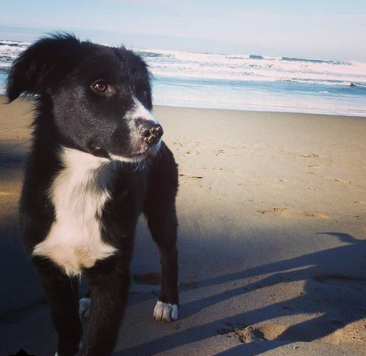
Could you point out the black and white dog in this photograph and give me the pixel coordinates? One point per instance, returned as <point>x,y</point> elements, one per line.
<point>97,161</point>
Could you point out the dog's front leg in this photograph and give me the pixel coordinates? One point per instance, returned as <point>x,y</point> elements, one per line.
<point>109,283</point>
<point>62,294</point>
<point>163,226</point>
<point>159,209</point>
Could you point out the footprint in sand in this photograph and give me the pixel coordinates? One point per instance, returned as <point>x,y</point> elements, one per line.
<point>272,331</point>
<point>309,155</point>
<point>340,180</point>
<point>361,202</point>
<point>354,332</point>
<point>287,213</point>
<point>153,278</point>
<point>246,334</point>
<point>187,175</point>
<point>277,183</point>
<point>180,144</point>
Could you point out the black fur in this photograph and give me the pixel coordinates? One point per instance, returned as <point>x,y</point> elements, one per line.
<point>60,70</point>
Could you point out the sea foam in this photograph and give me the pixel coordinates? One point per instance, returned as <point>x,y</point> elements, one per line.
<point>243,81</point>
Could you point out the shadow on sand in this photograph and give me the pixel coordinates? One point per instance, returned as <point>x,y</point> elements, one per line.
<point>347,296</point>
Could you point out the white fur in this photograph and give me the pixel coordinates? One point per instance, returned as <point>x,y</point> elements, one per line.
<point>127,159</point>
<point>165,311</point>
<point>140,112</point>
<point>152,151</point>
<point>78,193</point>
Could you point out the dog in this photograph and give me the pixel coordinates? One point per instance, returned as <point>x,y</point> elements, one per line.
<point>97,161</point>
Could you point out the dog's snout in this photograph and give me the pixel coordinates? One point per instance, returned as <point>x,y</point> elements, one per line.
<point>149,130</point>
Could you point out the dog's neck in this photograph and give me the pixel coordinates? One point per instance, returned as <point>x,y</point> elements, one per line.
<point>81,162</point>
<point>83,178</point>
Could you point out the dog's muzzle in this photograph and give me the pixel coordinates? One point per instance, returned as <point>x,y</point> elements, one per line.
<point>149,131</point>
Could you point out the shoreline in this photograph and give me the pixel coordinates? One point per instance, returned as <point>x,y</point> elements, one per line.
<point>3,100</point>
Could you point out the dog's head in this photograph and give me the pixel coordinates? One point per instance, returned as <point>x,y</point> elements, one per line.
<point>100,96</point>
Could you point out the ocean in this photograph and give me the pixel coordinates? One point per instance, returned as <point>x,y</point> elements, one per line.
<point>244,81</point>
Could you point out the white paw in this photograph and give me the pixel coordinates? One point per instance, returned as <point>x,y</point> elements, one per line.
<point>165,311</point>
<point>84,308</point>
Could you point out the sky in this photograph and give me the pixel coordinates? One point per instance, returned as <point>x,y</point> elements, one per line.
<point>316,29</point>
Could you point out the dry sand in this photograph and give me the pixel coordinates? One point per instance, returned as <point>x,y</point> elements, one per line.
<point>272,239</point>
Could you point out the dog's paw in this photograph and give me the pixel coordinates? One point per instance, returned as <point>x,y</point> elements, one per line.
<point>84,308</point>
<point>165,311</point>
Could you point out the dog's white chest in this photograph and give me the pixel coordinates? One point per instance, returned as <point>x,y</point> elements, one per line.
<point>78,193</point>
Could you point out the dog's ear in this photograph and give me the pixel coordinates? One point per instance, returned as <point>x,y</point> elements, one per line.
<point>42,65</point>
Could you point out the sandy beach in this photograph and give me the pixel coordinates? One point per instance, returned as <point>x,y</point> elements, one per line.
<point>272,239</point>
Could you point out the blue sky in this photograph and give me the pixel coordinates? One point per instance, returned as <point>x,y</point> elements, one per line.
<point>300,28</point>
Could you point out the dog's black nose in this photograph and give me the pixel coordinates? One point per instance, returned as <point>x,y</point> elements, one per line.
<point>149,130</point>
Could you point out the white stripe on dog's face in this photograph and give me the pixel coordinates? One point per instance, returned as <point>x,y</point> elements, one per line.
<point>139,111</point>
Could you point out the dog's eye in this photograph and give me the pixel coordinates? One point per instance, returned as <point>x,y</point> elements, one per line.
<point>99,86</point>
